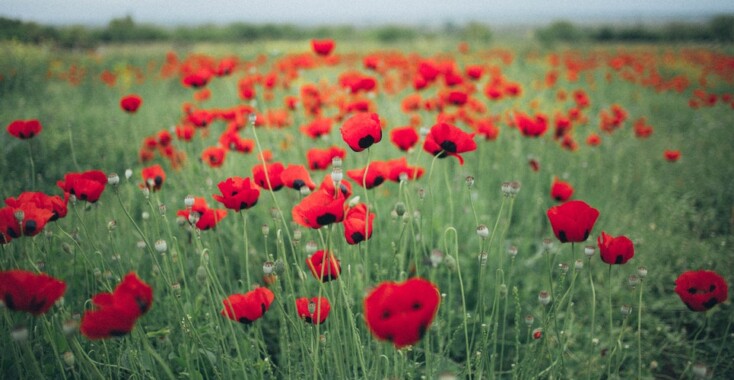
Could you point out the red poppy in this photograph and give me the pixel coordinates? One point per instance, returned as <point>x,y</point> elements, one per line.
<point>377,173</point>
<point>296,176</point>
<point>356,225</point>
<point>185,132</point>
<point>317,128</point>
<point>314,310</point>
<point>131,103</point>
<point>615,250</point>
<point>671,155</point>
<point>593,140</point>
<point>26,219</point>
<point>153,177</point>
<point>26,291</point>
<point>322,47</point>
<point>197,79</point>
<point>361,131</point>
<point>404,137</point>
<point>447,140</point>
<point>701,290</point>
<point>561,190</point>
<point>270,180</point>
<point>54,203</point>
<point>320,159</point>
<point>237,193</point>
<point>572,221</point>
<point>213,156</point>
<point>201,215</point>
<point>87,186</point>
<point>324,266</point>
<point>486,128</point>
<point>401,312</point>
<point>399,166</point>
<point>24,129</point>
<point>327,185</point>
<point>231,140</point>
<point>115,313</point>
<point>531,127</point>
<point>319,209</point>
<point>247,308</point>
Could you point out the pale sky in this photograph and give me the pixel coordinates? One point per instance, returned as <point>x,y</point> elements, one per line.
<point>364,12</point>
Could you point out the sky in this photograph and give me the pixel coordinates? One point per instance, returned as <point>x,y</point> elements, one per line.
<point>360,13</point>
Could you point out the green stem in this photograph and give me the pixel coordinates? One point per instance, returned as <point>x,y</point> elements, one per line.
<point>463,297</point>
<point>611,324</point>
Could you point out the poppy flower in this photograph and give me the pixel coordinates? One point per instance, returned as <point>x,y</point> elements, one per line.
<point>356,224</point>
<point>572,221</point>
<point>185,132</point>
<point>201,215</point>
<point>131,103</point>
<point>247,308</point>
<point>322,47</point>
<point>296,176</point>
<point>531,127</point>
<point>314,310</point>
<point>115,313</point>
<point>324,266</point>
<point>615,250</point>
<point>271,180</point>
<point>319,209</point>
<point>213,156</point>
<point>30,292</point>
<point>231,140</point>
<point>87,186</point>
<point>317,128</point>
<point>671,155</point>
<point>54,203</point>
<point>377,173</point>
<point>237,193</point>
<point>24,129</point>
<point>447,140</point>
<point>197,79</point>
<point>320,159</point>
<point>593,140</point>
<point>399,166</point>
<point>27,219</point>
<point>9,226</point>
<point>361,131</point>
<point>404,137</point>
<point>401,312</point>
<point>701,290</point>
<point>486,128</point>
<point>561,190</point>
<point>327,185</point>
<point>153,177</point>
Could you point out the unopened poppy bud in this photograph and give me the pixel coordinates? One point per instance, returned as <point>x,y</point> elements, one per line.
<point>336,162</point>
<point>268,267</point>
<point>400,208</point>
<point>512,251</point>
<point>111,225</point>
<point>252,117</point>
<point>503,290</point>
<point>69,359</point>
<point>97,272</point>
<point>633,280</point>
<point>19,333</point>
<point>274,213</point>
<point>161,246</point>
<point>189,201</point>
<point>483,231</point>
<point>146,192</point>
<point>128,173</point>
<point>436,257</point>
<point>529,320</point>
<point>483,258</point>
<point>544,297</point>
<point>642,272</point>
<point>140,244</point>
<point>176,289</point>
<point>311,247</point>
<point>70,326</point>
<point>19,215</point>
<point>145,215</point>
<point>579,264</point>
<point>113,179</point>
<point>563,267</point>
<point>538,333</point>
<point>449,262</point>
<point>201,274</point>
<point>336,176</point>
<point>700,370</point>
<point>547,244</point>
<point>626,310</point>
<point>265,230</point>
<point>589,251</point>
<point>469,181</point>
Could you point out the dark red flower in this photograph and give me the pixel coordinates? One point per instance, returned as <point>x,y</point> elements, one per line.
<point>356,226</point>
<point>401,312</point>
<point>324,266</point>
<point>399,166</point>
<point>131,103</point>
<point>322,47</point>
<point>377,173</point>
<point>270,180</point>
<point>87,186</point>
<point>115,313</point>
<point>54,203</point>
<point>615,250</point>
<point>319,209</point>
<point>534,164</point>
<point>201,215</point>
<point>153,177</point>
<point>404,137</point>
<point>361,131</point>
<point>445,140</point>
<point>314,310</point>
<point>572,221</point>
<point>560,190</point>
<point>247,308</point>
<point>26,291</point>
<point>296,176</point>
<point>317,128</point>
<point>237,193</point>
<point>701,290</point>
<point>24,129</point>
<point>320,159</point>
<point>671,155</point>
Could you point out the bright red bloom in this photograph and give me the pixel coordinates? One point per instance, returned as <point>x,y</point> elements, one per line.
<point>319,209</point>
<point>24,129</point>
<point>531,127</point>
<point>317,128</point>
<point>486,128</point>
<point>231,140</point>
<point>327,185</point>
<point>447,140</point>
<point>356,225</point>
<point>400,166</point>
<point>213,156</point>
<point>32,223</point>
<point>237,193</point>
<point>54,203</point>
<point>701,290</point>
<point>320,159</point>
<point>593,140</point>
<point>615,250</point>
<point>474,72</point>
<point>204,217</point>
<point>131,103</point>
<point>322,47</point>
<point>153,177</point>
<point>377,173</point>
<point>115,313</point>
<point>572,221</point>
<point>314,310</point>
<point>401,312</point>
<point>9,226</point>
<point>296,176</point>
<point>87,186</point>
<point>404,137</point>
<point>671,155</point>
<point>361,131</point>
<point>198,79</point>
<point>26,291</point>
<point>270,180</point>
<point>561,190</point>
<point>324,266</point>
<point>247,308</point>
<point>185,132</point>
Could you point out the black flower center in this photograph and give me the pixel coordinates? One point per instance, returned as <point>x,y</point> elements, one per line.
<point>326,219</point>
<point>366,142</point>
<point>448,146</point>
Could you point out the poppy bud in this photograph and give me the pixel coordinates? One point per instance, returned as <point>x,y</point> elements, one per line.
<point>503,290</point>
<point>201,274</point>
<point>400,208</point>
<point>189,201</point>
<point>70,326</point>
<point>68,357</point>
<point>529,320</point>
<point>145,215</point>
<point>544,297</point>
<point>642,272</point>
<point>336,162</point>
<point>514,188</point>
<point>279,267</point>
<point>19,333</point>
<point>176,289</point>
<point>268,267</point>
<point>563,267</point>
<point>547,245</point>
<point>421,194</point>
<point>128,173</point>
<point>113,179</point>
<point>579,264</point>
<point>161,246</point>
<point>512,251</point>
<point>311,247</point>
<point>304,190</point>
<point>483,231</point>
<point>297,233</point>
<point>589,251</point>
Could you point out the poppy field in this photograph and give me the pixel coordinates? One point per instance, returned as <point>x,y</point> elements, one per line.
<point>334,210</point>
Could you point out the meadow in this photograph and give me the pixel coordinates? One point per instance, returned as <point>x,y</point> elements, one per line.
<point>456,271</point>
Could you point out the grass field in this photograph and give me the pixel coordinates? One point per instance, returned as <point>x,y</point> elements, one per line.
<point>637,100</point>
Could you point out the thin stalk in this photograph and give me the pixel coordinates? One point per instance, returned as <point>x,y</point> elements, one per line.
<point>463,297</point>
<point>639,333</point>
<point>611,324</point>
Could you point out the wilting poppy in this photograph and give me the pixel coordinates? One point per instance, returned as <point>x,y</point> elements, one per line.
<point>270,180</point>
<point>701,290</point>
<point>447,140</point>
<point>401,312</point>
<point>317,128</point>
<point>324,266</point>
<point>115,313</point>
<point>361,131</point>
<point>296,176</point>
<point>671,155</point>
<point>322,47</point>
<point>615,250</point>
<point>404,137</point>
<point>153,177</point>
<point>248,307</point>
<point>237,193</point>
<point>53,203</point>
<point>561,190</point>
<point>572,221</point>
<point>399,166</point>
<point>320,159</point>
<point>24,129</point>
<point>30,292</point>
<point>201,215</point>
<point>377,173</point>
<point>87,186</point>
<point>356,225</point>
<point>319,209</point>
<point>314,310</point>
<point>131,103</point>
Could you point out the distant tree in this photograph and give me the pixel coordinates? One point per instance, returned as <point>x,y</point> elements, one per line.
<point>722,27</point>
